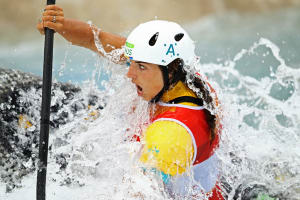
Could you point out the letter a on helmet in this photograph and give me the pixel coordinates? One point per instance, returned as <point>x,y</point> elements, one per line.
<point>159,42</point>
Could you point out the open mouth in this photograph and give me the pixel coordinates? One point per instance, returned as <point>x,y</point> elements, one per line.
<point>139,89</point>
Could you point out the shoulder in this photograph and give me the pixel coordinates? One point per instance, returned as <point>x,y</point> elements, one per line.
<point>167,147</point>
<point>168,133</point>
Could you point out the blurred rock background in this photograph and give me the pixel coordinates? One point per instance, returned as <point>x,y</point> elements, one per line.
<point>118,15</point>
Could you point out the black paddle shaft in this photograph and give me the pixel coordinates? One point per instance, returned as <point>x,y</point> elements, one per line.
<point>45,113</point>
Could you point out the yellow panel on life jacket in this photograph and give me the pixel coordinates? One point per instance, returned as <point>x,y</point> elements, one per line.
<point>168,147</point>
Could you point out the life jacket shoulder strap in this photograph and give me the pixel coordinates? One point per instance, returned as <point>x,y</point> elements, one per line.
<point>187,99</point>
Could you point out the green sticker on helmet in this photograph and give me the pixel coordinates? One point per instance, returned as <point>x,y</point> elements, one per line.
<point>129,45</point>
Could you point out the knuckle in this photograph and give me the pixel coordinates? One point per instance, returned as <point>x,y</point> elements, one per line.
<point>45,18</point>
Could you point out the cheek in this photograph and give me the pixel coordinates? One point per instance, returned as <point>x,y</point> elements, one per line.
<point>159,83</point>
<point>156,82</point>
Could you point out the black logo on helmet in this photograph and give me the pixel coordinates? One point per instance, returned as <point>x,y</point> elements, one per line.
<point>153,39</point>
<point>178,36</point>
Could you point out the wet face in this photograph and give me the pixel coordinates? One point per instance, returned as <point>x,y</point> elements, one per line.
<point>147,77</point>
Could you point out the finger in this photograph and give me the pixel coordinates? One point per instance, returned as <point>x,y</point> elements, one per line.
<point>53,13</point>
<point>40,28</point>
<point>54,26</point>
<point>58,19</point>
<point>53,7</point>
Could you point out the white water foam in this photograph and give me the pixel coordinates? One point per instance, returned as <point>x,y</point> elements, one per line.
<point>260,139</point>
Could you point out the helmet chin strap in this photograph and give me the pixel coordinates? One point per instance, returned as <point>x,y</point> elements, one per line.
<point>165,73</point>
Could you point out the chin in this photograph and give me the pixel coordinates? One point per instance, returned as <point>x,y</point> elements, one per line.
<point>146,98</point>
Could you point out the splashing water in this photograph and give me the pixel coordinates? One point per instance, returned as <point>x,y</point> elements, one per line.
<point>259,151</point>
<point>260,141</point>
<point>114,55</point>
<point>259,145</point>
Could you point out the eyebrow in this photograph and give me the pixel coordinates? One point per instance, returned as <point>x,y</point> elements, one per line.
<point>139,62</point>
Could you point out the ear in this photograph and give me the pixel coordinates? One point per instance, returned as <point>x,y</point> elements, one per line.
<point>178,36</point>
<point>153,39</point>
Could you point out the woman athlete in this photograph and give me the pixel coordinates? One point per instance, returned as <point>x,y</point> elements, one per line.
<point>180,141</point>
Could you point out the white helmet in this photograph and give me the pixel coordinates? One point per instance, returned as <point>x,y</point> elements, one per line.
<point>159,42</point>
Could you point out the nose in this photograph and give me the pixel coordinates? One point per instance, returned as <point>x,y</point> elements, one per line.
<point>131,72</point>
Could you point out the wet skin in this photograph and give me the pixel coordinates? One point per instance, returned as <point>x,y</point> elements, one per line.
<point>147,77</point>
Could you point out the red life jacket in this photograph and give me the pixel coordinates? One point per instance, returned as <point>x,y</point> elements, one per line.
<point>193,119</point>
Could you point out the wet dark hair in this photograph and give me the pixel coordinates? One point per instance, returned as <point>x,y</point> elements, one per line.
<point>177,73</point>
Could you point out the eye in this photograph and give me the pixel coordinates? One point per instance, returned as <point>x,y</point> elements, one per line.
<point>142,67</point>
